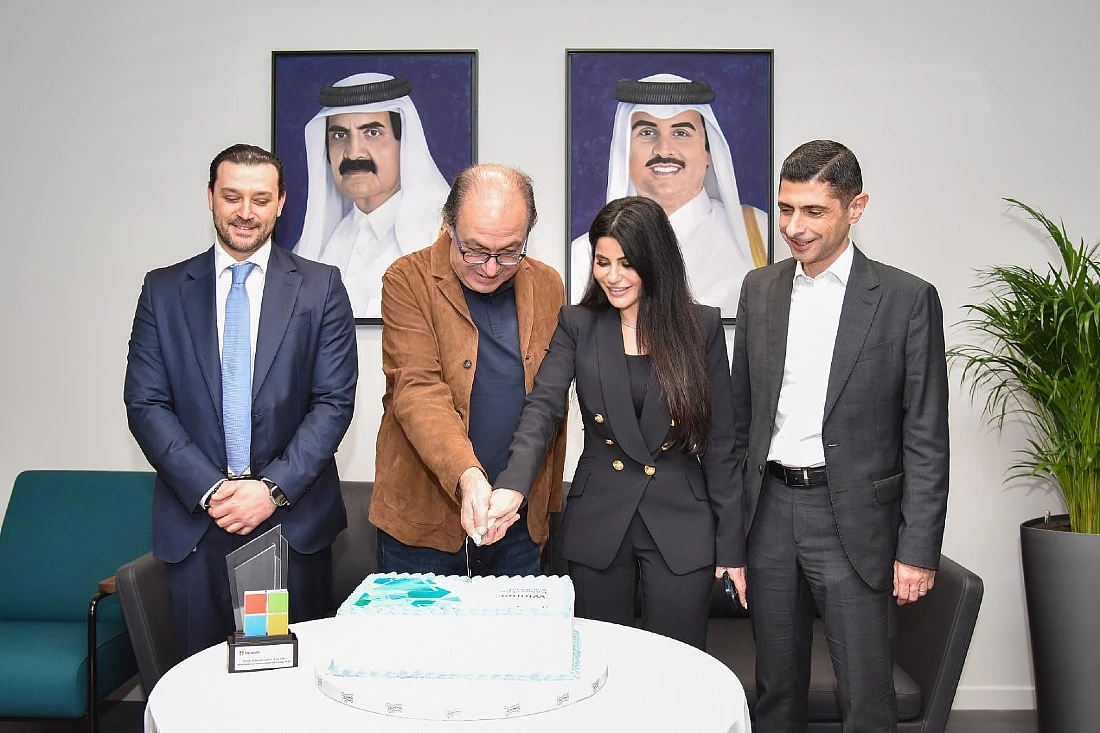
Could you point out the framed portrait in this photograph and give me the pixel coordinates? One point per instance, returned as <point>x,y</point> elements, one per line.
<point>691,130</point>
<point>370,141</point>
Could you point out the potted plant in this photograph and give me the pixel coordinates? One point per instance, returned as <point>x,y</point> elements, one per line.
<point>1036,357</point>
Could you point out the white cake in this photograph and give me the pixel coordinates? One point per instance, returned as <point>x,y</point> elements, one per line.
<point>451,627</point>
<point>453,648</point>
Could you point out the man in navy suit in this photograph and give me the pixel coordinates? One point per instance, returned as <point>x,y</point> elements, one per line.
<point>300,348</point>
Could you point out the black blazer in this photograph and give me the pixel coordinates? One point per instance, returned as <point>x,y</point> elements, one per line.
<point>692,507</point>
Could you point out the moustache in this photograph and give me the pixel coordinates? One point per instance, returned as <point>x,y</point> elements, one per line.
<point>239,222</point>
<point>661,160</point>
<point>357,164</point>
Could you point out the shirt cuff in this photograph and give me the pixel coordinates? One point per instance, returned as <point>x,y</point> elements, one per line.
<point>205,503</point>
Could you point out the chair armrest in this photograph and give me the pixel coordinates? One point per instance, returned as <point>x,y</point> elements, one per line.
<point>108,586</point>
<point>354,553</point>
<point>934,636</point>
<point>143,595</point>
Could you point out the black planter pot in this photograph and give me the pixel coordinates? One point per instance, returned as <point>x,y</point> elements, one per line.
<point>1062,585</point>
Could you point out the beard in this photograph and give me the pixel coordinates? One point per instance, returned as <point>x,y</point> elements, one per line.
<point>241,242</point>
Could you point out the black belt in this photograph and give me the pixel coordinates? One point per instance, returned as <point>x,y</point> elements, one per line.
<point>802,478</point>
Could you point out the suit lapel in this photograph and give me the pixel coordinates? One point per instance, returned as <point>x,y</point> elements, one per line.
<point>525,310</point>
<point>777,319</point>
<point>197,296</point>
<point>446,280</point>
<point>615,386</point>
<point>655,421</point>
<point>861,299</point>
<point>281,285</point>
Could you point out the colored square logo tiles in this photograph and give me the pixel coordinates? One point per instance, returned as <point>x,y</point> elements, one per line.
<point>255,601</point>
<point>255,624</point>
<point>266,613</point>
<point>278,624</point>
<point>278,601</point>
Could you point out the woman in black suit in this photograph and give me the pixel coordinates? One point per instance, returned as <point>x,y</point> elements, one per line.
<point>654,491</point>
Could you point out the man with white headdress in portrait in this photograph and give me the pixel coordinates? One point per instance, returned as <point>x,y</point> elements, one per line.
<point>666,145</point>
<point>375,193</point>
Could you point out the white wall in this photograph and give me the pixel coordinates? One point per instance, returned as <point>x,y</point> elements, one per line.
<point>949,106</point>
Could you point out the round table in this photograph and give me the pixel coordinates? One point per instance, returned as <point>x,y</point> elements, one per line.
<point>653,684</point>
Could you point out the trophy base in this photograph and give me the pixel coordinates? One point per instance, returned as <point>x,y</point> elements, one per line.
<point>255,653</point>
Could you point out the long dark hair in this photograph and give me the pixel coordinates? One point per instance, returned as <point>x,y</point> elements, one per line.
<point>668,326</point>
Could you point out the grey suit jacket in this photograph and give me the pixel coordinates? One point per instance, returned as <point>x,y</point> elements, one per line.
<point>885,421</point>
<point>690,506</point>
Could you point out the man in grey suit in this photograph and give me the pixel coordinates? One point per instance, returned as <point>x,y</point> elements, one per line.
<point>840,399</point>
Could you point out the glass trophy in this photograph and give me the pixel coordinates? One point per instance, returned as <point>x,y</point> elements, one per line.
<point>261,605</point>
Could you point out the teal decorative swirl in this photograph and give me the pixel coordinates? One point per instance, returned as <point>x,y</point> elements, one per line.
<point>429,594</point>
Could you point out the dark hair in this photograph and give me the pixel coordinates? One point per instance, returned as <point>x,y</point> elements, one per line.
<point>249,155</point>
<point>826,161</point>
<point>490,174</point>
<point>668,325</point>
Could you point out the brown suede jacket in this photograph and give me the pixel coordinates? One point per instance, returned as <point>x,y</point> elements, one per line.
<point>429,356</point>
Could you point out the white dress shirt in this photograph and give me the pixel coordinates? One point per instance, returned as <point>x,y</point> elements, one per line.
<point>363,246</point>
<point>811,338</point>
<point>254,286</point>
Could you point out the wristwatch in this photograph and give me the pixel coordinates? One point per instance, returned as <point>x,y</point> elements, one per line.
<point>277,495</point>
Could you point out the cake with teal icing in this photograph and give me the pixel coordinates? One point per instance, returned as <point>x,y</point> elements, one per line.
<point>441,627</point>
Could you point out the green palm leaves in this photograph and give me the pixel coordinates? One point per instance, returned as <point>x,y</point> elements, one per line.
<point>1037,356</point>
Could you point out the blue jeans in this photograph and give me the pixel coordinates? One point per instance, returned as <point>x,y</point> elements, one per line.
<point>513,554</point>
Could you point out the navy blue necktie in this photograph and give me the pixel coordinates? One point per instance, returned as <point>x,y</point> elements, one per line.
<point>237,373</point>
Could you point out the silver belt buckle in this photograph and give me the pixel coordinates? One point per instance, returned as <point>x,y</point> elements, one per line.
<point>806,476</point>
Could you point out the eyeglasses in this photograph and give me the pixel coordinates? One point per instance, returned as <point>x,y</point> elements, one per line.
<point>474,257</point>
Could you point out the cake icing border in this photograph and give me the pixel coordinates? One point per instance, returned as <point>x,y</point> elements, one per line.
<point>574,674</point>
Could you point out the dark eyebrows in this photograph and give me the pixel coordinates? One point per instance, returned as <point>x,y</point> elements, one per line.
<point>812,208</point>
<point>362,128</point>
<point>602,256</point>
<point>649,123</point>
<point>226,190</point>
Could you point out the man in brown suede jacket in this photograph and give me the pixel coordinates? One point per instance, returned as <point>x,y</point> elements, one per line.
<point>466,323</point>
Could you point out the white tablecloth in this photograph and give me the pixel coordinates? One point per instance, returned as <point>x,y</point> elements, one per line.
<point>653,684</point>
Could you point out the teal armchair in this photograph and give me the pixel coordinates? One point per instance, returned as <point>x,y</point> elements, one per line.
<point>64,536</point>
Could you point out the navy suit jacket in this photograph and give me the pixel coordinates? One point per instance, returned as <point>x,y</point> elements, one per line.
<point>303,393</point>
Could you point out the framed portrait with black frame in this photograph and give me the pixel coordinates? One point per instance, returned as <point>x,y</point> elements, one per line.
<point>691,129</point>
<point>370,141</point>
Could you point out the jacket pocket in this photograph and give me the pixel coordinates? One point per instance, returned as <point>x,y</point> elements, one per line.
<point>880,349</point>
<point>580,479</point>
<point>300,320</point>
<point>889,489</point>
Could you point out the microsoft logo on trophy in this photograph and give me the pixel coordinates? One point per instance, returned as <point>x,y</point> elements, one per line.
<point>261,606</point>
